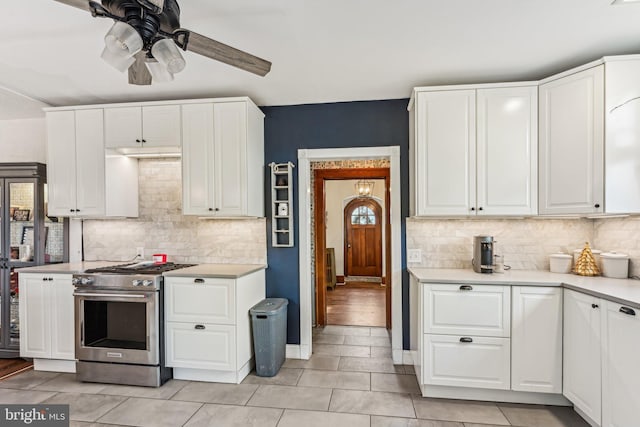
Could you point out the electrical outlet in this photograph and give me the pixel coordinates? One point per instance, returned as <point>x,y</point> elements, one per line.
<point>140,252</point>
<point>414,255</point>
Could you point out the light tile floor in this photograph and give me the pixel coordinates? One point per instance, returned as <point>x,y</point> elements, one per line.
<point>349,382</point>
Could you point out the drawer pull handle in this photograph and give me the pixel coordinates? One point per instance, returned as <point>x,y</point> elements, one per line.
<point>199,327</point>
<point>466,339</point>
<point>198,280</point>
<point>627,310</point>
<point>466,288</point>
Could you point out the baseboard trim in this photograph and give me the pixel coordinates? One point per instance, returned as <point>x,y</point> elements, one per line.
<point>407,357</point>
<point>54,365</point>
<point>509,396</point>
<point>293,351</point>
<point>586,417</point>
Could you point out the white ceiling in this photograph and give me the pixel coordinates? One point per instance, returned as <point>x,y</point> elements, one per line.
<point>322,51</point>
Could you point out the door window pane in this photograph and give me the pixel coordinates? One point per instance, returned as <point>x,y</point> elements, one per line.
<point>21,196</point>
<point>363,215</point>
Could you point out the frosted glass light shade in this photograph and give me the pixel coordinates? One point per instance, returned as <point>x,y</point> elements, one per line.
<point>159,73</point>
<point>167,53</point>
<point>120,63</point>
<point>123,40</point>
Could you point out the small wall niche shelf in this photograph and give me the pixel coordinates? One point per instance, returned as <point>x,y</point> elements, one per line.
<point>281,205</point>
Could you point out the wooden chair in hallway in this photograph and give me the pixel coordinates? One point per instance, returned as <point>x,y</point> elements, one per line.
<point>330,268</point>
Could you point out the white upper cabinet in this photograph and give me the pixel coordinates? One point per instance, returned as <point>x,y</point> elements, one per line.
<point>536,339</point>
<point>82,182</point>
<point>621,372</point>
<point>76,163</point>
<point>622,143</point>
<point>507,151</point>
<point>582,353</point>
<point>572,143</point>
<point>223,159</point>
<point>142,126</point>
<point>474,150</point>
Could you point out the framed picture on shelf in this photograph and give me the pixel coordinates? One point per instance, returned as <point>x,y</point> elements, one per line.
<point>21,215</point>
<point>15,252</point>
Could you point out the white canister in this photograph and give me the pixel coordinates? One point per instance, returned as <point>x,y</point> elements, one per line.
<point>560,263</point>
<point>615,265</point>
<point>596,256</point>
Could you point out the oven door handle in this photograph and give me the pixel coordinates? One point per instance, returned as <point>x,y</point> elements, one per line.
<point>123,295</point>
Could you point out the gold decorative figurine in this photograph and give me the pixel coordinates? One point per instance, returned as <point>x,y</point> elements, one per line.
<point>586,264</point>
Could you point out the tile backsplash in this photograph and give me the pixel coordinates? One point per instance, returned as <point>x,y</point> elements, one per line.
<point>525,243</point>
<point>161,227</point>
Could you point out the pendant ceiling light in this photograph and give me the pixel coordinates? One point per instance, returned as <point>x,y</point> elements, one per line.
<point>364,188</point>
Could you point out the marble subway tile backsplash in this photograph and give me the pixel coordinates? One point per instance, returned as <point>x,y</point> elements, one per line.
<point>620,235</point>
<point>161,227</point>
<point>525,243</point>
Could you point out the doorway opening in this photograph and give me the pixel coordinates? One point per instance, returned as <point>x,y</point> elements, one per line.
<point>352,248</point>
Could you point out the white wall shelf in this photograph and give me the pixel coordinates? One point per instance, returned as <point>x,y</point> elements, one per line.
<point>281,205</point>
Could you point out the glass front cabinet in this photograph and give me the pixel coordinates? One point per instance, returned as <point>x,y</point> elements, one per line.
<point>27,238</point>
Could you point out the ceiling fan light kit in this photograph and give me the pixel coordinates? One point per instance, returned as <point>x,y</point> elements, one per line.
<point>146,36</point>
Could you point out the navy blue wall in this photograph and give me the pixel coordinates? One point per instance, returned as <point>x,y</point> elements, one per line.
<point>339,125</point>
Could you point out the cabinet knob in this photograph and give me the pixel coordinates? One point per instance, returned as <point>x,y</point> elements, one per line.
<point>144,140</point>
<point>627,310</point>
<point>466,339</point>
<point>217,209</point>
<point>480,208</point>
<point>199,327</point>
<point>210,209</point>
<point>473,209</point>
<point>72,210</point>
<point>597,205</point>
<point>594,305</point>
<point>138,141</point>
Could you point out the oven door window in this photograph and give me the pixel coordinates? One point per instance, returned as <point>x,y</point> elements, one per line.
<point>114,324</point>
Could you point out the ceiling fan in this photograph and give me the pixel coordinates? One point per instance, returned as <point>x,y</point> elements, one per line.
<point>146,36</point>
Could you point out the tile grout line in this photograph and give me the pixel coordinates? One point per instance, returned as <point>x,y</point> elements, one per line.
<point>194,413</point>
<point>503,414</point>
<point>117,406</point>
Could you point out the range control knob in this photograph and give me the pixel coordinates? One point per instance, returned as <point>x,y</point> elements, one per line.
<point>147,282</point>
<point>137,282</point>
<point>75,281</point>
<point>86,280</point>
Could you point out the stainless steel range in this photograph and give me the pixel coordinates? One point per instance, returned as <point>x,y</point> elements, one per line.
<point>120,324</point>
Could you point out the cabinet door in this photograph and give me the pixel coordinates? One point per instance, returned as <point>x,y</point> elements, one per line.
<point>61,163</point>
<point>197,159</point>
<point>35,309</point>
<point>536,339</point>
<point>191,299</point>
<point>571,143</point>
<point>201,346</point>
<point>622,147</point>
<point>122,127</point>
<point>230,158</point>
<point>507,151</point>
<point>467,310</point>
<point>621,371</point>
<point>90,163</point>
<point>466,361</point>
<point>445,152</point>
<point>62,322</point>
<point>581,357</point>
<point>161,126</point>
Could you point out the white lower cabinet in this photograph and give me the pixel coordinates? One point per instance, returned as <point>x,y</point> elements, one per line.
<point>47,327</point>
<point>208,327</point>
<point>536,339</point>
<point>582,353</point>
<point>620,367</point>
<point>479,362</point>
<point>201,346</point>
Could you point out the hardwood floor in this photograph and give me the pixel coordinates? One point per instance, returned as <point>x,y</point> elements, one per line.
<point>11,366</point>
<point>356,304</point>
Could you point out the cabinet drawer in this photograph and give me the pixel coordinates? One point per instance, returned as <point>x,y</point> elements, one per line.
<point>467,310</point>
<point>201,346</point>
<point>198,300</point>
<point>479,362</point>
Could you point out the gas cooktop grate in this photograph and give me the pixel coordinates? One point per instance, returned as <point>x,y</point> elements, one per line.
<point>140,269</point>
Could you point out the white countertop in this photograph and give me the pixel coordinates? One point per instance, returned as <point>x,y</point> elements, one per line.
<point>229,271</point>
<point>67,268</point>
<point>623,291</point>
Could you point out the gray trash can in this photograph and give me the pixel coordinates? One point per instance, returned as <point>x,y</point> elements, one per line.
<point>269,322</point>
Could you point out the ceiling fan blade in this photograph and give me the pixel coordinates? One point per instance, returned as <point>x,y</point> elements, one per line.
<point>138,72</point>
<point>229,55</point>
<point>80,4</point>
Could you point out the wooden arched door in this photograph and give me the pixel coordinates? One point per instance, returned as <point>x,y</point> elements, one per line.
<point>363,238</point>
